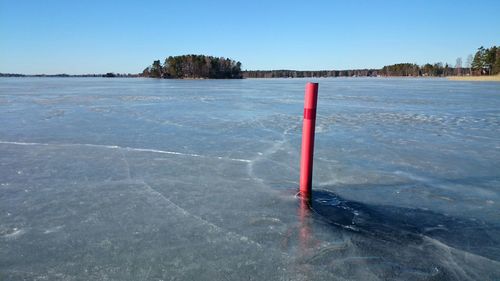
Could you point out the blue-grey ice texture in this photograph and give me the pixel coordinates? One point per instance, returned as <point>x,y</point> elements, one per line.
<point>144,179</point>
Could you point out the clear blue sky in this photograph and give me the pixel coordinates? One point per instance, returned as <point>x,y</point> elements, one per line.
<point>125,36</point>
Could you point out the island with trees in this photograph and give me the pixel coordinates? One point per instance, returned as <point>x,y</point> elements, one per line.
<point>194,67</point>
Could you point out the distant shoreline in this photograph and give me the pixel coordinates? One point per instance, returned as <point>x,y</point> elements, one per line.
<point>484,78</point>
<point>64,75</point>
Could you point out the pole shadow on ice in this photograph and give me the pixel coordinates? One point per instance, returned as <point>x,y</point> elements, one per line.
<point>401,225</point>
<point>382,222</point>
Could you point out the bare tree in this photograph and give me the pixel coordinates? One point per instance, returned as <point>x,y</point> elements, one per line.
<point>468,63</point>
<point>458,66</point>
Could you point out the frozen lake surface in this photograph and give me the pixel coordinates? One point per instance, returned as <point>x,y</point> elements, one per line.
<point>143,179</point>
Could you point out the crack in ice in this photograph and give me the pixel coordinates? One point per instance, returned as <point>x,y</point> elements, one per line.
<point>127,149</point>
<point>200,219</point>
<point>277,146</point>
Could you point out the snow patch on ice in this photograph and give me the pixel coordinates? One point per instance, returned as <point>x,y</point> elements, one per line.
<point>14,233</point>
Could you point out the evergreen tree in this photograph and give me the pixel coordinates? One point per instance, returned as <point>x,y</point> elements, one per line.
<point>156,69</point>
<point>490,58</point>
<point>428,70</point>
<point>496,65</point>
<point>146,72</point>
<point>478,62</point>
<point>438,69</point>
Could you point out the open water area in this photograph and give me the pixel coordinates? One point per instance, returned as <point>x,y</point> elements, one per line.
<point>145,179</point>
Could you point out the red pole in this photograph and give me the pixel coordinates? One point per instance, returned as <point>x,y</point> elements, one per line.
<point>306,159</point>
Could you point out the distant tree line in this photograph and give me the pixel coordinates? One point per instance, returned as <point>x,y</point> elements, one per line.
<point>11,75</point>
<point>194,66</point>
<point>109,75</point>
<point>119,75</point>
<point>486,61</point>
<point>411,69</point>
<point>283,73</point>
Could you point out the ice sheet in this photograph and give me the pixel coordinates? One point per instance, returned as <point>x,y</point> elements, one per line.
<point>143,179</point>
